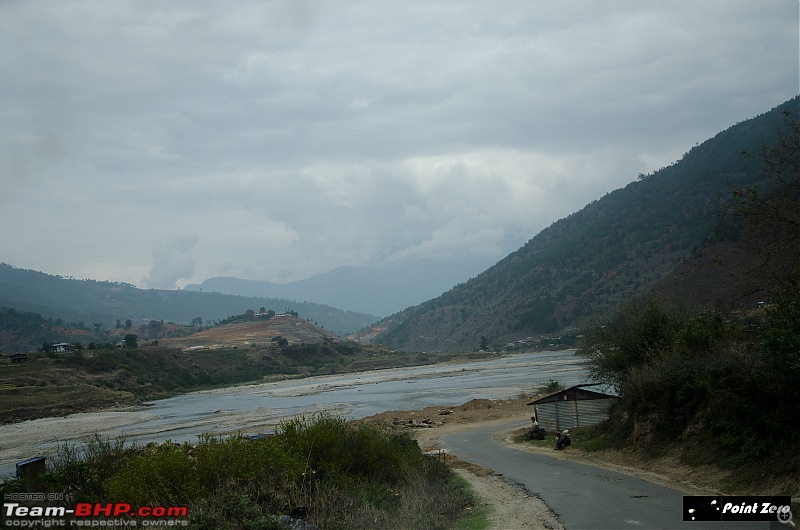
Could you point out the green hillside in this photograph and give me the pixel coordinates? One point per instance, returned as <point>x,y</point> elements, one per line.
<point>583,267</point>
<point>91,301</point>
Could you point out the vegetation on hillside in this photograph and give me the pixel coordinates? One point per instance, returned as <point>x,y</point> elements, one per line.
<point>725,390</point>
<point>53,384</point>
<point>334,474</point>
<point>767,214</point>
<point>584,267</point>
<point>105,302</point>
<point>24,331</point>
<point>697,377</point>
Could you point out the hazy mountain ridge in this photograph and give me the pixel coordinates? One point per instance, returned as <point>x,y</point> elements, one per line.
<point>583,266</point>
<point>379,290</point>
<point>103,302</point>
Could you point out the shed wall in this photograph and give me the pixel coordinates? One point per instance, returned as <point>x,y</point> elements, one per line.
<point>29,469</point>
<point>571,414</point>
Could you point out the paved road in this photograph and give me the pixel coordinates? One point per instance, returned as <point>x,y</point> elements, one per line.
<point>582,496</point>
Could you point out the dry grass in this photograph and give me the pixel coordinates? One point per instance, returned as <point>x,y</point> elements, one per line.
<point>21,403</point>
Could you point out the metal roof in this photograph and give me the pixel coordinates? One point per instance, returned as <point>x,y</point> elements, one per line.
<point>582,391</point>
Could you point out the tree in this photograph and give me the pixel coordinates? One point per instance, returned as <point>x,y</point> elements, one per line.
<point>769,213</point>
<point>484,343</point>
<point>644,334</point>
<point>130,340</point>
<point>155,327</point>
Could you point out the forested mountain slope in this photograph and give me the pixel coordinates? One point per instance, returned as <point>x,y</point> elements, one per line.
<point>582,267</point>
<point>93,301</point>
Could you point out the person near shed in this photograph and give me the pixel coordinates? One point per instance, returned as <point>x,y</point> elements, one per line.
<point>535,432</point>
<point>562,439</point>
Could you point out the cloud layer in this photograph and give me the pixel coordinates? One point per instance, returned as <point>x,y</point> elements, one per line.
<point>162,143</point>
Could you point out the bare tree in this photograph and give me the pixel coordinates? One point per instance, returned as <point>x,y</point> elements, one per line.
<point>770,213</point>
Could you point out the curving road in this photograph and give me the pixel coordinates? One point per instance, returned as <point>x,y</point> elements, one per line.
<point>582,496</point>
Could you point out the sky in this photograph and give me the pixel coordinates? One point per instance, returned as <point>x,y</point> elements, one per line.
<point>161,143</point>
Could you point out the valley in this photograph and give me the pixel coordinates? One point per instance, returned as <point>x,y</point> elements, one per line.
<point>666,288</point>
<point>80,380</point>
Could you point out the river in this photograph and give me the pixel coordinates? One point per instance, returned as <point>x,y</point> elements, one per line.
<point>260,407</point>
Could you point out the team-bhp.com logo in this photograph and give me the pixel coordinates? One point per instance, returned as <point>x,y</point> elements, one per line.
<point>738,508</point>
<point>86,514</point>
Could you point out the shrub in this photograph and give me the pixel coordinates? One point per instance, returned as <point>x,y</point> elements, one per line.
<point>683,373</point>
<point>84,467</point>
<point>164,474</point>
<point>330,447</point>
<point>347,476</point>
<point>230,510</point>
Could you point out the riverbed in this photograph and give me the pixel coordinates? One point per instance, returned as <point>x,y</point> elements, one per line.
<point>259,408</point>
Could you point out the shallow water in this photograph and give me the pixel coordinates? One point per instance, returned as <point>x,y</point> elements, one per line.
<point>258,408</point>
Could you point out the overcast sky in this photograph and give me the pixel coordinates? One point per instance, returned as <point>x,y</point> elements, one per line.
<point>164,142</point>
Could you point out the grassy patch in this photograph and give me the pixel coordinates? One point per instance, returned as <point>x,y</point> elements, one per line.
<point>20,403</point>
<point>475,515</point>
<point>549,439</point>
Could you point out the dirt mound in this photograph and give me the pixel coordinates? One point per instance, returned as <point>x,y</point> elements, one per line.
<point>472,411</point>
<point>477,404</point>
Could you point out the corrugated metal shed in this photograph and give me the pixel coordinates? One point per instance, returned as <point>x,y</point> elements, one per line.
<point>29,469</point>
<point>577,406</point>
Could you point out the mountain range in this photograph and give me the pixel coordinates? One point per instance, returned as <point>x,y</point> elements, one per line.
<point>379,290</point>
<point>91,301</point>
<point>662,233</point>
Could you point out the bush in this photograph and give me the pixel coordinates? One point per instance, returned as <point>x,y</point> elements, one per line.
<point>229,510</point>
<point>345,475</point>
<point>164,475</point>
<point>83,468</point>
<point>185,474</point>
<point>679,373</point>
<point>330,447</point>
